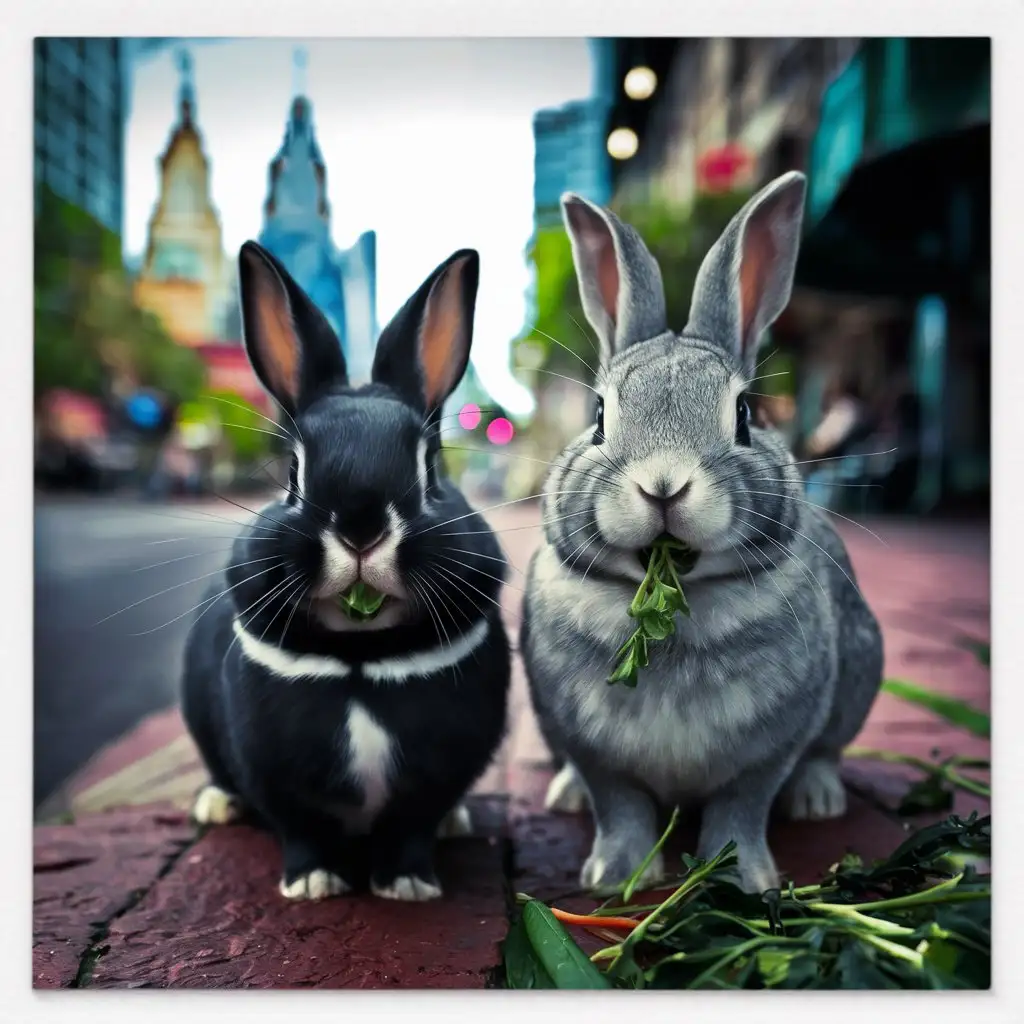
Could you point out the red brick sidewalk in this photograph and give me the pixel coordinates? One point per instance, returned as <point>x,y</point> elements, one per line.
<point>127,896</point>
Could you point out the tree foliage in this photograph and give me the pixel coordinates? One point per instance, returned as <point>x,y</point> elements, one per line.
<point>88,328</point>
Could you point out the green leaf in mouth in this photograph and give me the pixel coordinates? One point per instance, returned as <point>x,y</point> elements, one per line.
<point>361,602</point>
<point>656,604</point>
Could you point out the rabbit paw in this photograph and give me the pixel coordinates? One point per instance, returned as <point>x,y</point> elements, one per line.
<point>316,885</point>
<point>215,806</point>
<point>815,792</point>
<point>566,792</point>
<point>408,888</point>
<point>609,865</point>
<point>458,822</point>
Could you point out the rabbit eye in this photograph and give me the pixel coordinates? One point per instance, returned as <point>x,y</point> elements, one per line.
<point>742,421</point>
<point>599,422</point>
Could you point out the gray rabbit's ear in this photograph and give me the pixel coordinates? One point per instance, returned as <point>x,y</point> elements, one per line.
<point>620,282</point>
<point>746,278</point>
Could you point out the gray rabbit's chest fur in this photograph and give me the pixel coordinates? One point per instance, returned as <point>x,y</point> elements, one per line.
<point>749,678</point>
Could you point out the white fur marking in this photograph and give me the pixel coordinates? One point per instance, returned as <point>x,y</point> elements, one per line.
<point>215,806</point>
<point>388,670</point>
<point>421,469</point>
<point>300,472</point>
<point>340,566</point>
<point>284,663</point>
<point>566,792</point>
<point>458,822</point>
<point>317,885</point>
<point>408,888</point>
<point>371,751</point>
<point>425,663</point>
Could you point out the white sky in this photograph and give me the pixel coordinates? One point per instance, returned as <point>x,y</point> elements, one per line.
<point>428,142</point>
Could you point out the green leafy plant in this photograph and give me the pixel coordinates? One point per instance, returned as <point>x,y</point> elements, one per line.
<point>658,600</point>
<point>942,777</point>
<point>361,602</point>
<point>918,919</point>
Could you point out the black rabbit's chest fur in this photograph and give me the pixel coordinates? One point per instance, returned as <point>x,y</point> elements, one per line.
<point>345,746</point>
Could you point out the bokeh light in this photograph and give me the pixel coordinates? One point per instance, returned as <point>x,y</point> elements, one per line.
<point>469,416</point>
<point>640,83</point>
<point>622,143</point>
<point>500,431</point>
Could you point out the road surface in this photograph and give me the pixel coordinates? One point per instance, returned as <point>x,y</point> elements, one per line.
<point>99,559</point>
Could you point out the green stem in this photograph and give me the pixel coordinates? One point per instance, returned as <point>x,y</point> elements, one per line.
<point>894,949</point>
<point>941,771</point>
<point>641,594</point>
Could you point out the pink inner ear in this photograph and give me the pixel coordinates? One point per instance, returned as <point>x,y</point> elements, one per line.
<point>608,279</point>
<point>442,335</point>
<point>759,254</point>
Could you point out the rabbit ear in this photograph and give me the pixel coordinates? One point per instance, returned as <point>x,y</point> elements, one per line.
<point>746,278</point>
<point>620,282</point>
<point>423,352</point>
<point>292,348</point>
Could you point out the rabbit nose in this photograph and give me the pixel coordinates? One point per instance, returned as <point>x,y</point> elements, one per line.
<point>364,546</point>
<point>662,501</point>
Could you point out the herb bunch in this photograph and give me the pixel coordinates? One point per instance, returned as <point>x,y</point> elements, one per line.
<point>655,606</point>
<point>920,919</point>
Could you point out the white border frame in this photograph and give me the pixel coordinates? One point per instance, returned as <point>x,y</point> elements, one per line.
<point>1002,19</point>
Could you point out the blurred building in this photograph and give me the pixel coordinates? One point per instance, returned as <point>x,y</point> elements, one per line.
<point>892,288</point>
<point>570,154</point>
<point>80,104</point>
<point>726,113</point>
<point>185,278</point>
<point>297,230</point>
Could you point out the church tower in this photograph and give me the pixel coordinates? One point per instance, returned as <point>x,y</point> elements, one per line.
<point>185,278</point>
<point>296,213</point>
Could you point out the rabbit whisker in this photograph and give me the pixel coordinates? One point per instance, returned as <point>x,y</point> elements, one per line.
<point>791,529</point>
<point>482,511</point>
<point>178,586</point>
<point>814,504</point>
<point>183,558</point>
<point>295,608</point>
<point>452,576</point>
<point>572,380</point>
<point>571,352</point>
<point>258,605</point>
<point>807,571</point>
<point>420,591</point>
<point>586,337</point>
<point>209,602</point>
<point>526,458</point>
<point>477,554</point>
<point>252,511</point>
<point>273,423</point>
<point>600,552</point>
<point>490,576</point>
<point>771,576</point>
<point>285,597</point>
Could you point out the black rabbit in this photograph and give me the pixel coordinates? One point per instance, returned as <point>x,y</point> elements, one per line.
<point>353,737</point>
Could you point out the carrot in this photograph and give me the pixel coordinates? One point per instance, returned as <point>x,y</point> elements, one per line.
<point>591,921</point>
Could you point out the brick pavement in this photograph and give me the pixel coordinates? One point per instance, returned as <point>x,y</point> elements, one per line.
<point>128,897</point>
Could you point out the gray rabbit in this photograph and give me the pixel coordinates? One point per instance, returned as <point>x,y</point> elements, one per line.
<point>752,699</point>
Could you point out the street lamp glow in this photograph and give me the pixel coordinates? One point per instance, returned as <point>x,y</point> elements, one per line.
<point>640,83</point>
<point>622,143</point>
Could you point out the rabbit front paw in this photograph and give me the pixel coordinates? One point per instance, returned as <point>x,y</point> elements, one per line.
<point>814,792</point>
<point>610,863</point>
<point>566,792</point>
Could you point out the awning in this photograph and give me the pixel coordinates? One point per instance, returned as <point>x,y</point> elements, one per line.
<point>899,181</point>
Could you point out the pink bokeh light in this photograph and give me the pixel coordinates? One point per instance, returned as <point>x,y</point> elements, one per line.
<point>469,416</point>
<point>500,431</point>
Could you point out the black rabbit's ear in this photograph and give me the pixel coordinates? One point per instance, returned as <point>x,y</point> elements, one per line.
<point>292,348</point>
<point>423,352</point>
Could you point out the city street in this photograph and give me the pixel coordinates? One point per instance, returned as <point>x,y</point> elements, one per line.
<point>94,557</point>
